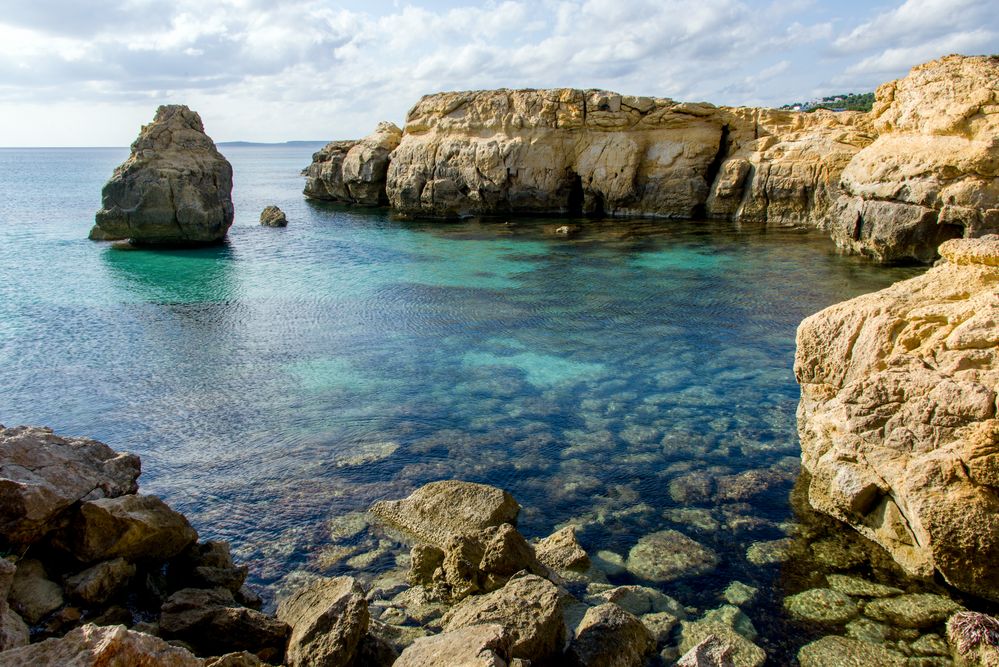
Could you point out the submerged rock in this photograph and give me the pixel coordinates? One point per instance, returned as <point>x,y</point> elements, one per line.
<point>744,652</point>
<point>669,555</point>
<point>272,216</point>
<point>897,418</point>
<point>711,652</point>
<point>822,605</point>
<point>175,187</point>
<point>918,610</point>
<point>834,651</point>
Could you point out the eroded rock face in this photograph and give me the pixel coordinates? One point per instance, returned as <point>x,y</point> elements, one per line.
<point>328,618</point>
<point>608,636</point>
<point>353,171</point>
<point>42,474</point>
<point>476,646</point>
<point>93,646</point>
<point>175,187</point>
<point>933,171</point>
<point>898,419</point>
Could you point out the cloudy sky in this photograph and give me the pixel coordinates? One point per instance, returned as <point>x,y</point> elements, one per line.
<point>89,72</point>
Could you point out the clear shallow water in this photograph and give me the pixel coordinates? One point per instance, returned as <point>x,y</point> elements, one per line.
<point>292,376</point>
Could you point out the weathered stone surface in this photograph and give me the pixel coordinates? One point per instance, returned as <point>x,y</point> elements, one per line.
<point>353,171</point>
<point>328,618</point>
<point>208,565</point>
<point>133,527</point>
<point>608,636</point>
<point>527,607</point>
<point>97,584</point>
<point>92,646</point>
<point>822,605</point>
<point>424,563</point>
<point>897,418</point>
<point>744,652</point>
<point>918,610</point>
<point>272,216</point>
<point>562,551</point>
<point>212,623</point>
<point>640,600</point>
<point>13,630</point>
<point>42,474</point>
<point>32,594</point>
<point>835,651</point>
<point>669,555</point>
<point>438,511</point>
<point>711,652</point>
<point>175,187</point>
<point>932,172</point>
<point>476,646</point>
<point>857,587</point>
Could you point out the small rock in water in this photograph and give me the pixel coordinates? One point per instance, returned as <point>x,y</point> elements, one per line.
<point>739,593</point>
<point>669,555</point>
<point>272,216</point>
<point>920,610</point>
<point>822,605</point>
<point>769,553</point>
<point>744,652</point>
<point>857,587</point>
<point>711,652</point>
<point>734,618</point>
<point>834,651</point>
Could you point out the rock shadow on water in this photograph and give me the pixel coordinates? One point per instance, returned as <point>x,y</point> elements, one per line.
<point>195,275</point>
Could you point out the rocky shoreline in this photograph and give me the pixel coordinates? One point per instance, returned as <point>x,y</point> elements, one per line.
<point>891,184</point>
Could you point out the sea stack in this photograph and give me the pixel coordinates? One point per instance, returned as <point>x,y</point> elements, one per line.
<point>174,189</point>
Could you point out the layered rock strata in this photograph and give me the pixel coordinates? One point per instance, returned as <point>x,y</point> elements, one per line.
<point>898,416</point>
<point>893,184</point>
<point>174,188</point>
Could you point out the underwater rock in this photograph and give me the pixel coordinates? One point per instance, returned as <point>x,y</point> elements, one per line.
<point>822,605</point>
<point>897,418</point>
<point>439,511</point>
<point>93,646</point>
<point>561,551</point>
<point>744,652</point>
<point>608,636</point>
<point>733,617</point>
<point>739,593</point>
<point>328,618</point>
<point>272,216</point>
<point>639,600</point>
<point>353,171</point>
<point>669,555</point>
<point>475,646</point>
<point>529,610</point>
<point>711,652</point>
<point>917,610</point>
<point>175,187</point>
<point>42,474</point>
<point>857,587</point>
<point>660,624</point>
<point>835,651</point>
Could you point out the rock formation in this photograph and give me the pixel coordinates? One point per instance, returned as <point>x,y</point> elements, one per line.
<point>272,216</point>
<point>174,188</point>
<point>353,171</point>
<point>898,416</point>
<point>892,184</point>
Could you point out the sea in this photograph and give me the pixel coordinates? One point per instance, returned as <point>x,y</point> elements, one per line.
<point>278,384</point>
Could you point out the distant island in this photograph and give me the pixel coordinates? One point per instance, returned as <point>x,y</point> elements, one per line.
<point>275,143</point>
<point>841,102</point>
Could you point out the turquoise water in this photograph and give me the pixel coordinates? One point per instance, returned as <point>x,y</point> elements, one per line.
<point>277,383</point>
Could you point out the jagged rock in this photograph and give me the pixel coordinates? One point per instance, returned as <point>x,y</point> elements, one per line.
<point>97,584</point>
<point>529,610</point>
<point>175,187</point>
<point>931,173</point>
<point>208,565</point>
<point>897,419</point>
<point>711,652</point>
<point>608,636</point>
<point>42,474</point>
<point>133,527</point>
<point>13,630</point>
<point>32,594</point>
<point>353,171</point>
<point>484,561</point>
<point>744,652</point>
<point>425,560</point>
<point>669,555</point>
<point>561,551</point>
<point>92,646</point>
<point>212,623</point>
<point>476,646</point>
<point>822,605</point>
<point>438,511</point>
<point>328,618</point>
<point>834,651</point>
<point>272,216</point>
<point>917,610</point>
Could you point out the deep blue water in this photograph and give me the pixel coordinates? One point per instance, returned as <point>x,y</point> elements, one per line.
<point>290,377</point>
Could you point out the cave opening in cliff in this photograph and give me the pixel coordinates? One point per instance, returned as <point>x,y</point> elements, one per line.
<point>574,206</point>
<point>714,168</point>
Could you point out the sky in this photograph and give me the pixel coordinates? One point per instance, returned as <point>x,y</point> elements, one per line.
<point>90,73</point>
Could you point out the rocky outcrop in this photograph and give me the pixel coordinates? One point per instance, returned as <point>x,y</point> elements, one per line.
<point>272,216</point>
<point>933,171</point>
<point>353,172</point>
<point>93,646</point>
<point>898,416</point>
<point>174,188</point>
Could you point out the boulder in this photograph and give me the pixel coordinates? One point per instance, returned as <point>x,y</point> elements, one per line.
<point>133,527</point>
<point>669,555</point>
<point>211,622</point>
<point>562,551</point>
<point>438,511</point>
<point>207,565</point>
<point>822,605</point>
<point>897,418</point>
<point>608,636</point>
<point>93,646</point>
<point>916,610</point>
<point>484,561</point>
<point>353,171</point>
<point>13,630</point>
<point>711,652</point>
<point>272,216</point>
<point>328,619</point>
<point>475,646</point>
<point>529,610</point>
<point>42,474</point>
<point>835,651</point>
<point>32,594</point>
<point>744,652</point>
<point>174,188</point>
<point>425,560</point>
<point>97,584</point>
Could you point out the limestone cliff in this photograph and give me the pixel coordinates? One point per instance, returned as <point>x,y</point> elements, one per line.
<point>175,187</point>
<point>893,184</point>
<point>353,171</point>
<point>898,416</point>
